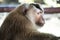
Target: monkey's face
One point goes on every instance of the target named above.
(39, 20)
(36, 16)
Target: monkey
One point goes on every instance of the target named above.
(22, 24)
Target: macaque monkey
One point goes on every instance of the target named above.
(22, 24)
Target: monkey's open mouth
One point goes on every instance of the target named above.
(40, 24)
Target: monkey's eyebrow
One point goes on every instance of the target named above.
(37, 6)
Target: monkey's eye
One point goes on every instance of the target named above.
(40, 11)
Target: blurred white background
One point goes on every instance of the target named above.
(52, 24)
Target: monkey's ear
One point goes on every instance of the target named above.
(23, 8)
(26, 7)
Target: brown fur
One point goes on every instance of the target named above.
(18, 27)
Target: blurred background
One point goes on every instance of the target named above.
(51, 16)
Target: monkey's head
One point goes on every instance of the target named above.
(34, 13)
